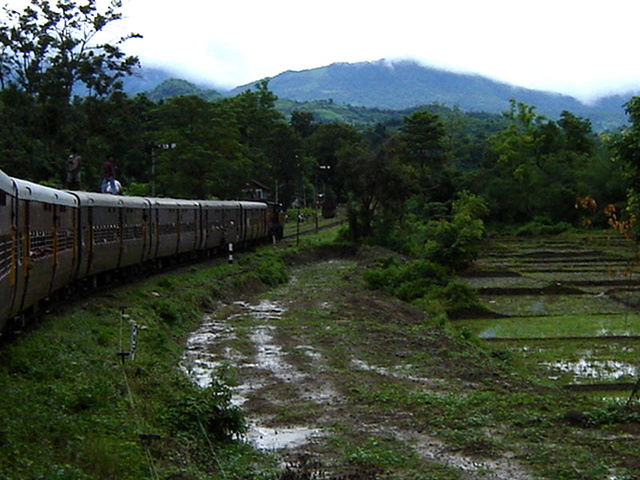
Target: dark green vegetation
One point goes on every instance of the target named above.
(389, 390)
(406, 394)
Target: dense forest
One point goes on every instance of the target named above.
(526, 170)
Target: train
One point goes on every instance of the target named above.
(51, 239)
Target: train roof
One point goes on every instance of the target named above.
(219, 203)
(39, 193)
(173, 203)
(109, 200)
(253, 205)
(6, 183)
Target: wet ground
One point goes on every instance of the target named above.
(293, 370)
(566, 305)
(325, 371)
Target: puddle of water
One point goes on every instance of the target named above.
(198, 361)
(269, 356)
(201, 364)
(434, 450)
(595, 369)
(395, 373)
(266, 438)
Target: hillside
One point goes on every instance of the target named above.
(406, 84)
(384, 86)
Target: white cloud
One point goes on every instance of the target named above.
(580, 47)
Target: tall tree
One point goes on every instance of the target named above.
(375, 182)
(47, 48)
(421, 147)
(207, 158)
(46, 51)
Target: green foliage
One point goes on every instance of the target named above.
(454, 243)
(408, 281)
(204, 410)
(269, 268)
(48, 52)
(542, 226)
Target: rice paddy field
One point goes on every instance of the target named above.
(567, 306)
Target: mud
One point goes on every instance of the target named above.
(286, 386)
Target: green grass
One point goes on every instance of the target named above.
(554, 326)
(72, 410)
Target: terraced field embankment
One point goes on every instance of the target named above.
(567, 305)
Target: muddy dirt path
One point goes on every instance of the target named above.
(311, 364)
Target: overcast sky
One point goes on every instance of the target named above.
(583, 48)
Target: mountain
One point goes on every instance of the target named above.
(145, 79)
(405, 84)
(173, 87)
(385, 85)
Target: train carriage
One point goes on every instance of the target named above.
(176, 226)
(189, 236)
(219, 223)
(137, 232)
(46, 249)
(254, 221)
(8, 205)
(100, 235)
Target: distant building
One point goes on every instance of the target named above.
(256, 191)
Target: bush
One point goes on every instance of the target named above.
(542, 226)
(408, 281)
(270, 269)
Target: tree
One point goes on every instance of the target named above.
(46, 49)
(421, 148)
(207, 159)
(578, 133)
(302, 123)
(324, 145)
(422, 141)
(375, 182)
(625, 148)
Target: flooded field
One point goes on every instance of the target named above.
(567, 307)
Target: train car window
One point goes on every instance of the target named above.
(6, 245)
(40, 244)
(65, 240)
(3, 199)
(105, 234)
(132, 232)
(47, 207)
